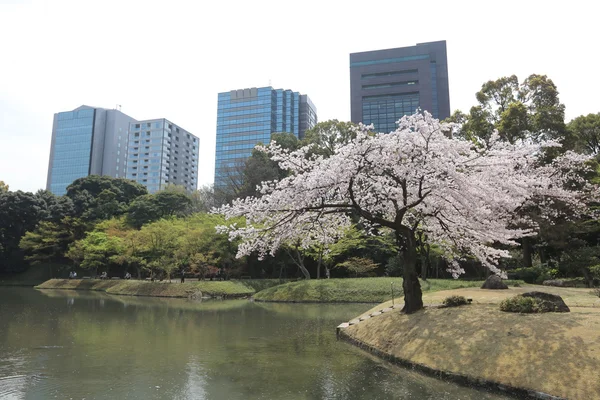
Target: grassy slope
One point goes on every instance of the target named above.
(158, 289)
(359, 290)
(553, 353)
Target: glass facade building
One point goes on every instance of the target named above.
(72, 148)
(386, 85)
(160, 153)
(86, 141)
(97, 141)
(247, 117)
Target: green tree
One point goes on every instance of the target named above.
(355, 242)
(529, 110)
(3, 187)
(171, 203)
(131, 255)
(202, 241)
(19, 212)
(160, 241)
(55, 207)
(203, 199)
(260, 168)
(584, 260)
(49, 241)
(101, 197)
(95, 250)
(149, 208)
(328, 134)
(359, 266)
(586, 130)
(142, 210)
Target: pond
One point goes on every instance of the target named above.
(88, 345)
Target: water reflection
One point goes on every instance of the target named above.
(87, 344)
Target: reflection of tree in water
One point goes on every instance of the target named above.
(223, 350)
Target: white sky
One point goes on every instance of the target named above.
(170, 58)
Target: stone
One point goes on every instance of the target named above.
(354, 321)
(564, 282)
(548, 302)
(341, 327)
(365, 317)
(376, 313)
(494, 282)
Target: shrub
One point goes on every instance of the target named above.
(534, 302)
(454, 301)
(359, 266)
(394, 266)
(519, 304)
(535, 274)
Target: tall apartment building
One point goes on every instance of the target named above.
(247, 117)
(95, 141)
(86, 141)
(387, 84)
(161, 153)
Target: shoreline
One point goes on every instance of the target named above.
(537, 356)
(459, 379)
(313, 301)
(196, 289)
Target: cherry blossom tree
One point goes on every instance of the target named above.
(416, 179)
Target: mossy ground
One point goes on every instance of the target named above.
(554, 353)
(352, 290)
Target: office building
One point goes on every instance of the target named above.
(247, 117)
(387, 84)
(161, 153)
(86, 141)
(98, 141)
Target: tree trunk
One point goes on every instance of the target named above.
(527, 252)
(543, 256)
(425, 262)
(319, 264)
(413, 297)
(303, 270)
(424, 253)
(588, 277)
(298, 260)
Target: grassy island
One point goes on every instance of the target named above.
(226, 289)
(352, 290)
(552, 353)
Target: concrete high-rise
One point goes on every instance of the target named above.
(87, 141)
(387, 84)
(97, 141)
(247, 117)
(161, 153)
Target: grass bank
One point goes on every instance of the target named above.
(553, 353)
(226, 289)
(352, 290)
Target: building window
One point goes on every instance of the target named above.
(389, 85)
